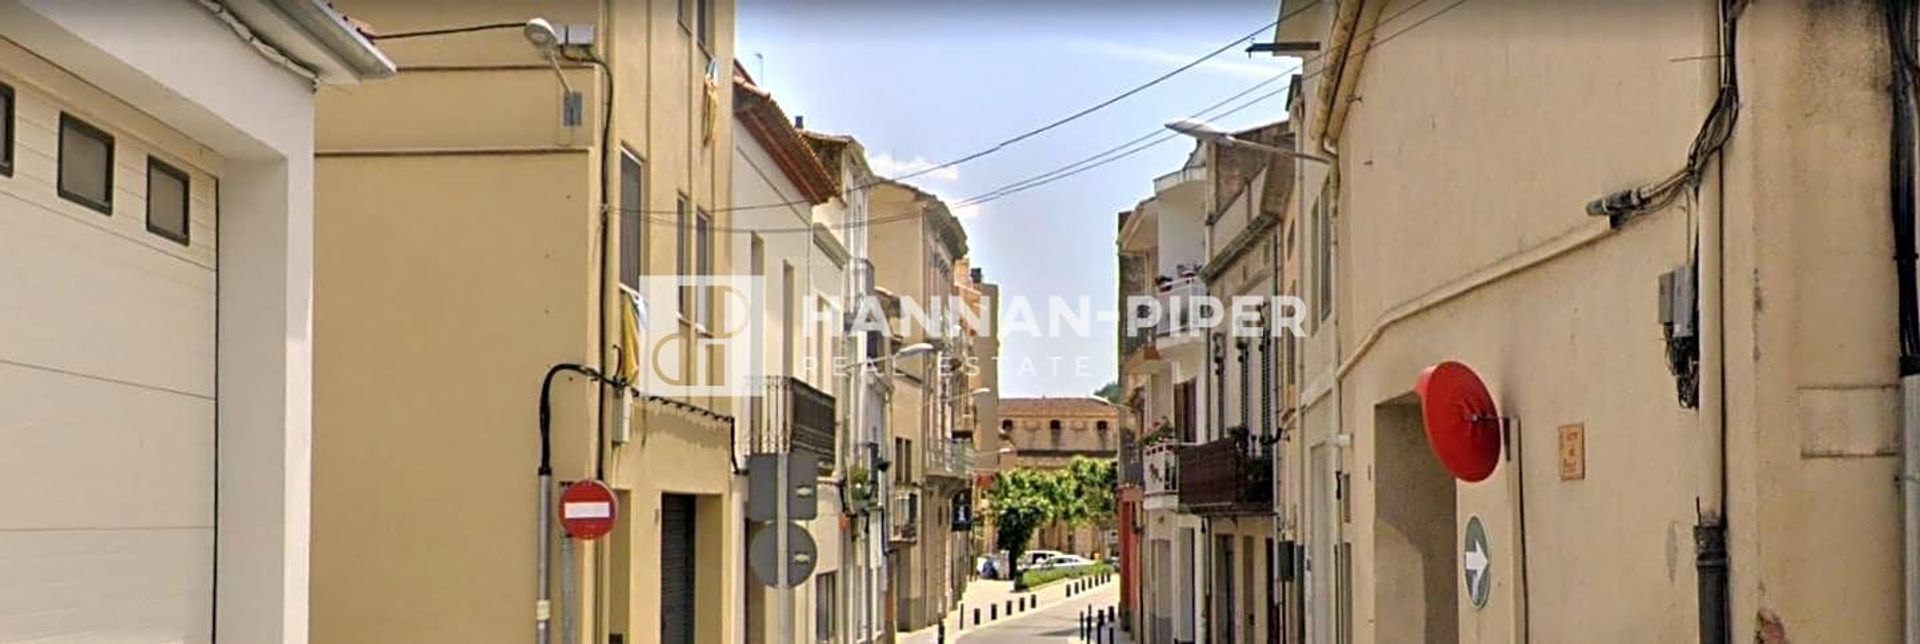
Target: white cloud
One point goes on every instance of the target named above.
(967, 212)
(887, 166)
(1225, 63)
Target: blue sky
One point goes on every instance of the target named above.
(920, 82)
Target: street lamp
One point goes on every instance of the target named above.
(1205, 131)
(975, 393)
(909, 351)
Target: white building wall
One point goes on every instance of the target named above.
(176, 63)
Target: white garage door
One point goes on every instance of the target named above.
(106, 388)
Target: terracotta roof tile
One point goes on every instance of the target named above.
(1057, 407)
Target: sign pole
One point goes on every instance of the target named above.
(567, 626)
(780, 533)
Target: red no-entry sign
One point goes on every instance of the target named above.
(587, 510)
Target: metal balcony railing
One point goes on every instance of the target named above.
(1161, 463)
(1177, 297)
(796, 417)
(950, 459)
(904, 514)
(1132, 469)
(1230, 476)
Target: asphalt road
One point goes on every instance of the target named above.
(1059, 622)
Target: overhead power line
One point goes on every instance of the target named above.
(1002, 145)
(1134, 146)
(1159, 135)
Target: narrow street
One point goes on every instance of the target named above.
(1055, 622)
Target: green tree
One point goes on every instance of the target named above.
(1090, 486)
(1109, 392)
(1021, 502)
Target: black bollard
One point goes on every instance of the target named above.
(976, 617)
(1083, 625)
(1009, 608)
(940, 631)
(993, 611)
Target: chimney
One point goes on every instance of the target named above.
(799, 122)
(977, 276)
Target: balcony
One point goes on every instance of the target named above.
(1177, 296)
(1132, 469)
(796, 417)
(1161, 465)
(1226, 477)
(950, 459)
(904, 514)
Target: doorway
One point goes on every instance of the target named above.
(1415, 559)
(1321, 510)
(1223, 600)
(678, 581)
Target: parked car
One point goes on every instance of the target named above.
(1032, 558)
(1064, 561)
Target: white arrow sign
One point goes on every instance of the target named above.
(1476, 564)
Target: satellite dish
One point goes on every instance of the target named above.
(1462, 425)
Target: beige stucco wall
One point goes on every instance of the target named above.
(1462, 237)
(459, 258)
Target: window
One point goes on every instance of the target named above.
(1006, 426)
(167, 189)
(1323, 253)
(633, 206)
(703, 266)
(1100, 426)
(703, 27)
(6, 130)
(86, 165)
(681, 230)
(826, 615)
(1053, 425)
(1246, 368)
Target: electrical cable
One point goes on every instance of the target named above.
(997, 147)
(1096, 160)
(1900, 19)
(1622, 206)
(1063, 172)
(402, 35)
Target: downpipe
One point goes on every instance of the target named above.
(1901, 180)
(543, 607)
(1910, 501)
(1712, 566)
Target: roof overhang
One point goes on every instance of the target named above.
(313, 34)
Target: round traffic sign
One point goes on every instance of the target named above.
(1476, 561)
(1462, 425)
(765, 559)
(587, 510)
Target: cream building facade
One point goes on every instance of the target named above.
(1047, 434)
(156, 228)
(479, 226)
(801, 261)
(1723, 472)
(1163, 376)
(914, 254)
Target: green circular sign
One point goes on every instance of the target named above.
(1476, 559)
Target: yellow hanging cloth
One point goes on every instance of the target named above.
(629, 339)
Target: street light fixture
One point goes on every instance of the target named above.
(1209, 132)
(541, 34)
(971, 394)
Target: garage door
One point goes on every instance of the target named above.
(106, 378)
(676, 569)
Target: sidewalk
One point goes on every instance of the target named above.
(983, 593)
